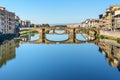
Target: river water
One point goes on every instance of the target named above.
(88, 61)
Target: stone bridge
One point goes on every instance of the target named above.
(70, 31)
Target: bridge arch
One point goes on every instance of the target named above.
(40, 32)
(88, 33)
(70, 31)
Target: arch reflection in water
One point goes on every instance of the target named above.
(57, 35)
(8, 51)
(57, 38)
(60, 31)
(112, 52)
(53, 38)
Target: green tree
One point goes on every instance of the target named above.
(32, 25)
(45, 25)
(60, 26)
(118, 40)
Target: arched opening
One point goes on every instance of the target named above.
(80, 35)
(57, 35)
(30, 34)
(86, 34)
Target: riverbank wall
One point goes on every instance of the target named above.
(115, 34)
(6, 37)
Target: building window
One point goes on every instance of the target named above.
(10, 28)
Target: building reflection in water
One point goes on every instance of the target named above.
(112, 52)
(109, 47)
(8, 51)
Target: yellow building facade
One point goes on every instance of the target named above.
(110, 19)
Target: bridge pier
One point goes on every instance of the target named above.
(41, 36)
(54, 31)
(72, 35)
(46, 31)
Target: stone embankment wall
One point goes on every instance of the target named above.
(111, 33)
(110, 42)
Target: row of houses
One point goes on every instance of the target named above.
(9, 22)
(90, 23)
(73, 25)
(87, 23)
(109, 20)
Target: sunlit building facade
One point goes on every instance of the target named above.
(110, 19)
(7, 21)
(91, 23)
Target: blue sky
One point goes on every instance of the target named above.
(57, 11)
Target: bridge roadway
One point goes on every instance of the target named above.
(71, 31)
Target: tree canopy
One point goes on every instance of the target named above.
(45, 25)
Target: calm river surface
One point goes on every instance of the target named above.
(86, 61)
